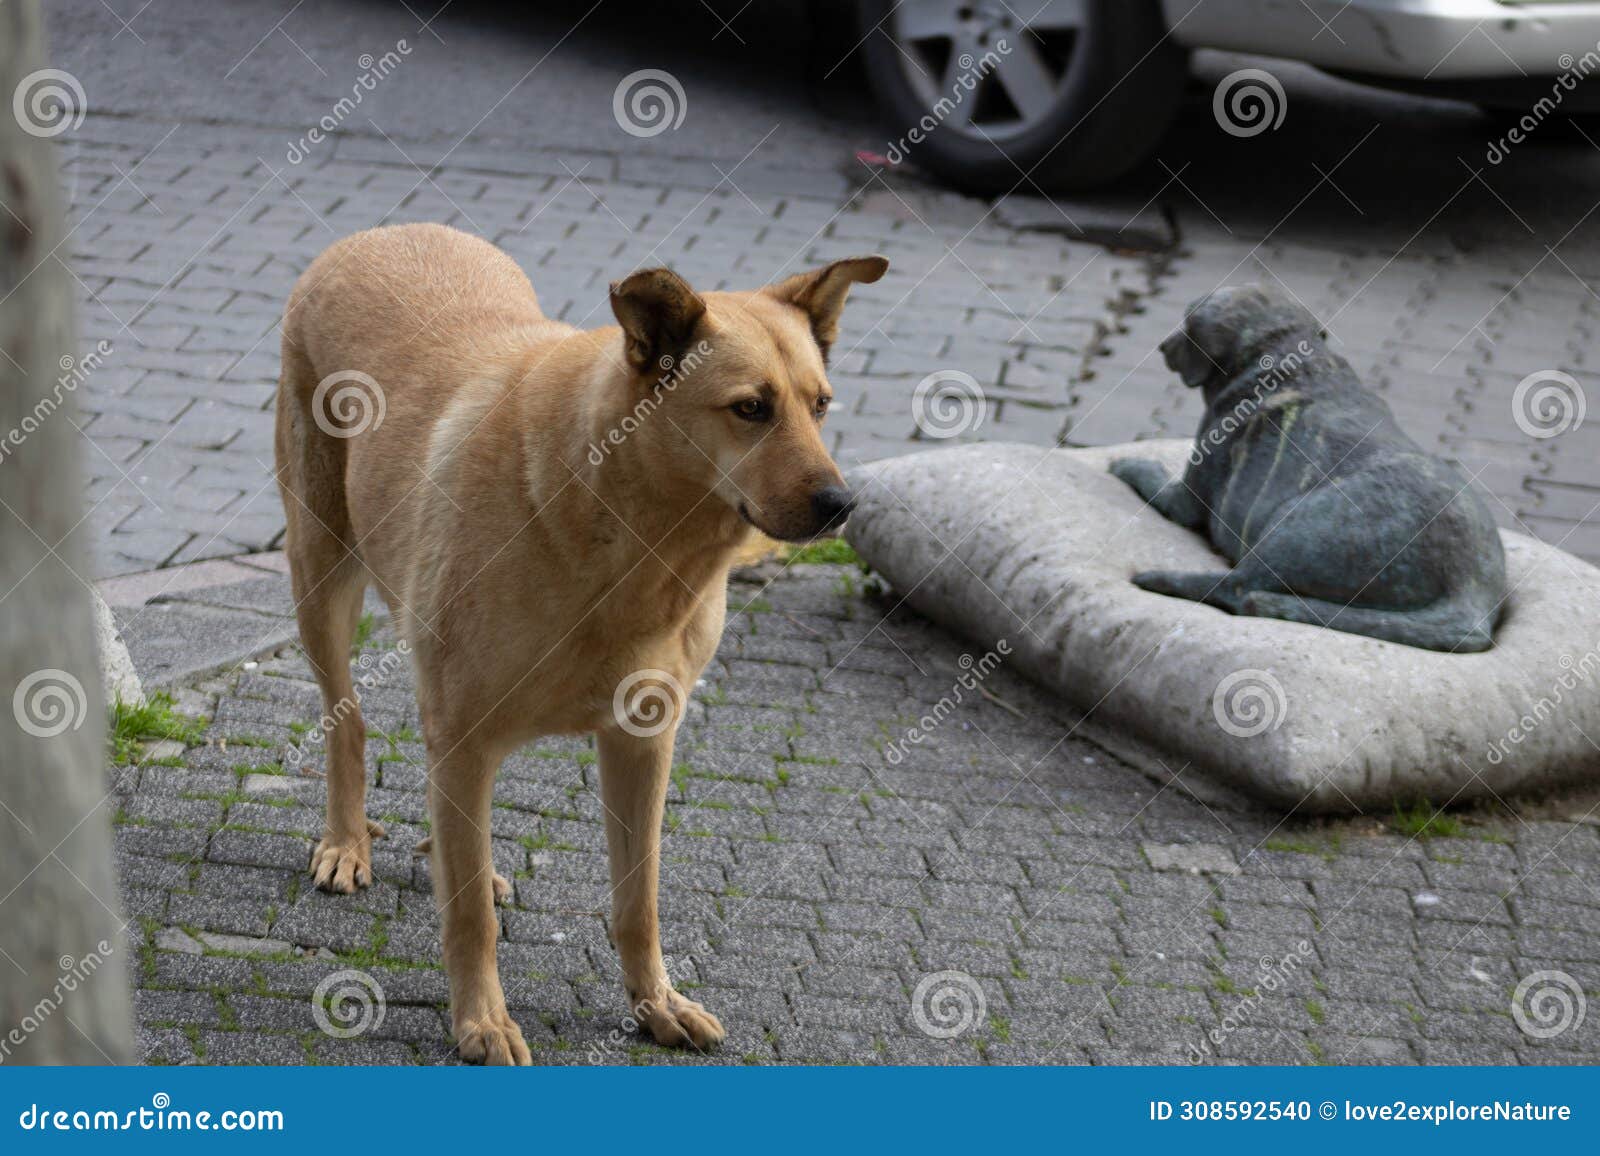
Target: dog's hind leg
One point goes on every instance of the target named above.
(634, 773)
(1444, 626)
(1222, 589)
(460, 788)
(328, 582)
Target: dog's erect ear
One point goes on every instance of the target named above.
(821, 293)
(658, 312)
(1185, 358)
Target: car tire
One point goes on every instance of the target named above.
(1091, 101)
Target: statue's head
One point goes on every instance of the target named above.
(1229, 331)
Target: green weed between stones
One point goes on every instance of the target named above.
(131, 725)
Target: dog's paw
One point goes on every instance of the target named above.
(679, 1022)
(1143, 474)
(493, 1038)
(344, 864)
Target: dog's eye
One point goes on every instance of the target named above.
(822, 404)
(751, 409)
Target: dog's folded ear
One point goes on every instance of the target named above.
(821, 293)
(658, 312)
(1185, 358)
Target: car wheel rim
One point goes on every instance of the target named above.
(988, 69)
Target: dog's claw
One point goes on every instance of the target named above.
(494, 1039)
(681, 1023)
(342, 865)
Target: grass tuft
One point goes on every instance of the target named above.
(131, 725)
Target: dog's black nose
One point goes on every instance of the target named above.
(832, 505)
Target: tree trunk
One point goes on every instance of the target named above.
(64, 957)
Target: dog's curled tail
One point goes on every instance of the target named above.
(1462, 624)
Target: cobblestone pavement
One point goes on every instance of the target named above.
(812, 883)
(197, 199)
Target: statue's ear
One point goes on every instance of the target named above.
(821, 293)
(658, 312)
(1185, 358)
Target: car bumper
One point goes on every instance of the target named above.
(1424, 40)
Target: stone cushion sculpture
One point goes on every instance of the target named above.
(1037, 547)
(1301, 478)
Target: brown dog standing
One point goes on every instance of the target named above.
(550, 514)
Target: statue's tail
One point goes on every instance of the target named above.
(1461, 625)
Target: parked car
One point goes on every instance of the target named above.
(1077, 92)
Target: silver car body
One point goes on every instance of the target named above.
(1421, 40)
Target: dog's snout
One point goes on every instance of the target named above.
(832, 505)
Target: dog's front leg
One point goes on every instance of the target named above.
(1171, 497)
(634, 772)
(460, 790)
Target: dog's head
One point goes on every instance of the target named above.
(741, 383)
(1227, 331)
